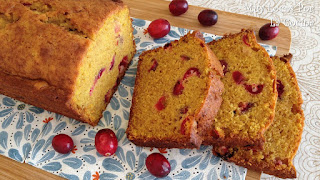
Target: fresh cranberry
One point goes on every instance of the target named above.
(245, 39)
(161, 103)
(154, 65)
(224, 65)
(183, 126)
(185, 57)
(191, 72)
(254, 89)
(112, 62)
(159, 28)
(267, 32)
(238, 77)
(158, 165)
(208, 17)
(106, 142)
(62, 143)
(244, 107)
(280, 88)
(184, 110)
(178, 88)
(178, 7)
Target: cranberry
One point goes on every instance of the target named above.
(123, 64)
(158, 165)
(185, 57)
(184, 110)
(280, 88)
(178, 7)
(254, 89)
(183, 126)
(191, 72)
(215, 134)
(96, 80)
(208, 17)
(154, 65)
(178, 88)
(112, 62)
(245, 39)
(62, 143)
(223, 150)
(161, 103)
(159, 28)
(224, 65)
(106, 142)
(237, 77)
(267, 32)
(167, 46)
(244, 107)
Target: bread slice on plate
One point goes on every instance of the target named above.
(284, 135)
(177, 94)
(250, 94)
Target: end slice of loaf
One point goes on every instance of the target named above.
(250, 95)
(177, 94)
(64, 56)
(284, 135)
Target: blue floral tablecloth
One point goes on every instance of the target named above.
(26, 133)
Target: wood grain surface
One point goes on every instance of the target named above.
(154, 9)
(227, 22)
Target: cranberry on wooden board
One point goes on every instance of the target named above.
(159, 28)
(178, 7)
(62, 143)
(208, 17)
(268, 32)
(106, 142)
(158, 165)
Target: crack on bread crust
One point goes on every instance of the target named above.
(7, 19)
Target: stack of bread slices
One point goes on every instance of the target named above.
(228, 93)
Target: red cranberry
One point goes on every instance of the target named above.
(224, 65)
(254, 89)
(208, 17)
(280, 88)
(244, 107)
(159, 28)
(106, 142)
(223, 150)
(245, 39)
(112, 62)
(191, 72)
(154, 65)
(178, 88)
(62, 143)
(184, 110)
(123, 64)
(158, 165)
(267, 32)
(178, 7)
(185, 57)
(237, 77)
(161, 103)
(215, 134)
(96, 80)
(183, 126)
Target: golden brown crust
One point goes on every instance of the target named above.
(235, 140)
(203, 117)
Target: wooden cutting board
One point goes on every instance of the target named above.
(154, 9)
